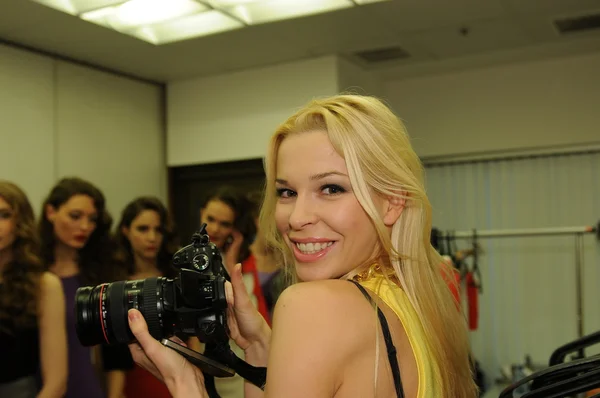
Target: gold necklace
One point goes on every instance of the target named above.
(371, 271)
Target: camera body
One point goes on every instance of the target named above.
(192, 304)
(199, 291)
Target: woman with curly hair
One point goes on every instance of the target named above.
(32, 327)
(145, 244)
(76, 246)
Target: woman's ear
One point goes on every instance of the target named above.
(394, 205)
(125, 231)
(50, 213)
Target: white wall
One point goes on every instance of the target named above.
(528, 303)
(232, 116)
(110, 132)
(27, 155)
(553, 102)
(59, 119)
(354, 79)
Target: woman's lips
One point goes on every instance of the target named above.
(309, 252)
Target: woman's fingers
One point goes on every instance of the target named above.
(140, 357)
(229, 294)
(139, 328)
(178, 340)
(240, 294)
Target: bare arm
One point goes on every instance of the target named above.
(53, 337)
(115, 384)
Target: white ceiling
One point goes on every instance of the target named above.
(429, 30)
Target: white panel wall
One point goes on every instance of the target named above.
(528, 304)
(60, 119)
(231, 117)
(527, 105)
(353, 79)
(27, 117)
(110, 132)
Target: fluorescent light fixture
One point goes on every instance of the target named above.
(368, 1)
(201, 24)
(229, 3)
(138, 13)
(75, 7)
(165, 21)
(275, 10)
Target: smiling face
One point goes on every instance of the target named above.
(317, 213)
(74, 221)
(145, 235)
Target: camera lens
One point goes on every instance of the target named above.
(101, 311)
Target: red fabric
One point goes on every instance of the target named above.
(454, 286)
(249, 268)
(473, 301)
(452, 278)
(139, 383)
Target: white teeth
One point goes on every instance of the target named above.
(311, 248)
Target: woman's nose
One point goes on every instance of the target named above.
(303, 213)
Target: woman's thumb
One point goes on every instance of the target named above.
(139, 328)
(240, 295)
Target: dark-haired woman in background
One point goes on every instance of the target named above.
(76, 246)
(32, 328)
(231, 227)
(146, 243)
(229, 220)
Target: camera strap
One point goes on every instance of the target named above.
(219, 360)
(222, 353)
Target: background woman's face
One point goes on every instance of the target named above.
(145, 235)
(7, 225)
(74, 221)
(219, 219)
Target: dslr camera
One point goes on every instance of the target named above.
(192, 304)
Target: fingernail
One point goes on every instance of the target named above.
(238, 267)
(133, 315)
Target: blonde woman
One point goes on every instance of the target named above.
(344, 202)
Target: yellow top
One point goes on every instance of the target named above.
(395, 298)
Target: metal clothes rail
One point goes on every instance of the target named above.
(577, 232)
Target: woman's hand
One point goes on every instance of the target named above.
(247, 326)
(181, 377)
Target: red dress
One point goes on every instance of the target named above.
(139, 383)
(250, 275)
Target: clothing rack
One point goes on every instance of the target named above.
(577, 232)
(517, 233)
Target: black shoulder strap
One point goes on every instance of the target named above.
(389, 344)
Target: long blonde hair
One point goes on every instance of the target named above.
(381, 161)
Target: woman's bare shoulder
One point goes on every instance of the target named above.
(50, 283)
(334, 306)
(319, 329)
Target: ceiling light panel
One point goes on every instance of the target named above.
(368, 1)
(139, 13)
(258, 12)
(166, 21)
(76, 7)
(201, 24)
